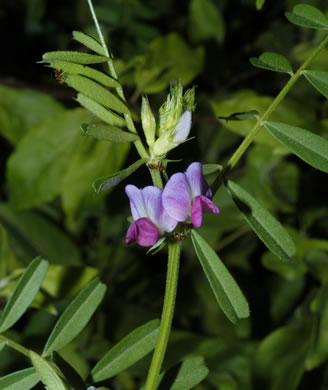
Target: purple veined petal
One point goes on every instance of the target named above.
(197, 212)
(196, 179)
(166, 223)
(153, 202)
(152, 197)
(183, 127)
(143, 231)
(137, 204)
(200, 206)
(177, 197)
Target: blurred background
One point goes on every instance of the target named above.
(48, 206)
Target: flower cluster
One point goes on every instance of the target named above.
(185, 198)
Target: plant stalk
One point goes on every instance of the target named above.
(252, 134)
(15, 346)
(167, 315)
(128, 119)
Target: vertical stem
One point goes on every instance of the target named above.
(129, 122)
(167, 315)
(157, 179)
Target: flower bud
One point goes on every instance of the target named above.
(183, 127)
(170, 139)
(148, 121)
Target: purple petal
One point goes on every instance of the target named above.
(202, 205)
(152, 197)
(166, 223)
(177, 197)
(138, 209)
(196, 179)
(153, 201)
(183, 127)
(143, 231)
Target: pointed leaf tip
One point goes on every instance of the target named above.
(24, 293)
(319, 80)
(227, 292)
(128, 351)
(272, 61)
(105, 182)
(267, 228)
(308, 146)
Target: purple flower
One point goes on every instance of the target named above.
(188, 194)
(150, 220)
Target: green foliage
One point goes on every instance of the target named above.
(306, 15)
(168, 58)
(73, 56)
(319, 80)
(268, 229)
(90, 42)
(96, 92)
(49, 373)
(226, 291)
(103, 183)
(34, 181)
(24, 231)
(23, 109)
(49, 208)
(186, 375)
(76, 316)
(128, 351)
(205, 21)
(308, 146)
(247, 100)
(272, 61)
(23, 379)
(101, 112)
(24, 293)
(72, 68)
(103, 132)
(259, 4)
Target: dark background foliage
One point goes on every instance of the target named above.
(47, 206)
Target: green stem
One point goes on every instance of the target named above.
(252, 134)
(129, 122)
(157, 178)
(15, 346)
(167, 315)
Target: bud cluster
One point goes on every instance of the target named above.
(173, 124)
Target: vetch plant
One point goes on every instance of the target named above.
(167, 213)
